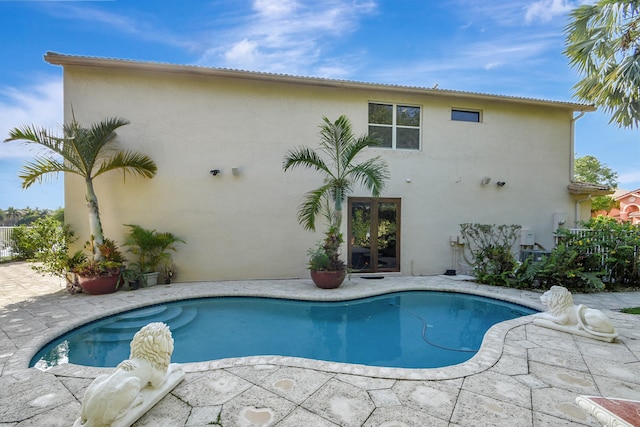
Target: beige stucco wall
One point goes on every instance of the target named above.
(241, 227)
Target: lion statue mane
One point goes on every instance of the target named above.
(564, 315)
(110, 397)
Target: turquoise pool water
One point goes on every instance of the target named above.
(416, 329)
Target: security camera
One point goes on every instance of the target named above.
(214, 172)
(500, 183)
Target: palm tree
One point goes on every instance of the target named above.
(340, 147)
(603, 45)
(87, 152)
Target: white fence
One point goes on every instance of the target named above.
(5, 242)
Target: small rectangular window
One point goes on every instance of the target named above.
(396, 126)
(465, 116)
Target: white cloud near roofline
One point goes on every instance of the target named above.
(38, 104)
(288, 37)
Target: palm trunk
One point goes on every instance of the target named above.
(95, 226)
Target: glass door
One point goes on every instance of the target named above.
(374, 234)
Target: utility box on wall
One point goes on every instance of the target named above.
(527, 237)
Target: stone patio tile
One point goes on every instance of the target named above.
(551, 339)
(613, 387)
(169, 412)
(545, 420)
(301, 417)
(498, 386)
(384, 398)
(436, 398)
(402, 417)
(622, 371)
(255, 407)
(211, 388)
(531, 381)
(295, 384)
(60, 416)
(511, 365)
(255, 373)
(341, 403)
(604, 350)
(366, 383)
(76, 386)
(565, 359)
(30, 392)
(560, 404)
(478, 411)
(566, 379)
(203, 416)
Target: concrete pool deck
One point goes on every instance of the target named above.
(524, 375)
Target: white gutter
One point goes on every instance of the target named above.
(572, 154)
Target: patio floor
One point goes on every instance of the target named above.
(524, 375)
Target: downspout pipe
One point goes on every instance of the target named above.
(572, 164)
(572, 143)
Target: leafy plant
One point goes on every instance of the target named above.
(490, 247)
(111, 262)
(46, 243)
(150, 247)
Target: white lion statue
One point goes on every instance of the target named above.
(564, 315)
(109, 398)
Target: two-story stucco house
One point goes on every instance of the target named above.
(454, 157)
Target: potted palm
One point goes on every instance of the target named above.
(150, 249)
(100, 276)
(335, 161)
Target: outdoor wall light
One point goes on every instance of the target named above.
(214, 172)
(500, 183)
(485, 180)
(235, 171)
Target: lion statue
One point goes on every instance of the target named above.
(565, 316)
(110, 397)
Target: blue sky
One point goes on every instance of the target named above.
(503, 47)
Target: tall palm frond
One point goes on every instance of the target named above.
(87, 152)
(335, 157)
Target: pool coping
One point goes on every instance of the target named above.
(299, 289)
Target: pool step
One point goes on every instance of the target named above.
(175, 317)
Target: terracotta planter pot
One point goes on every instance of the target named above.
(98, 285)
(328, 279)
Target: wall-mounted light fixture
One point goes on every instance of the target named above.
(235, 171)
(500, 183)
(214, 172)
(485, 180)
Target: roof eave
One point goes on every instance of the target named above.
(123, 64)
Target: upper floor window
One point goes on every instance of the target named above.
(396, 126)
(465, 115)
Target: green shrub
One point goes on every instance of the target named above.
(490, 246)
(45, 243)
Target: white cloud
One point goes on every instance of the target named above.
(287, 36)
(39, 104)
(546, 10)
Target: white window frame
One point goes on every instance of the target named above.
(394, 126)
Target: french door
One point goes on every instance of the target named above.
(374, 234)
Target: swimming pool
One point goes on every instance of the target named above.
(411, 329)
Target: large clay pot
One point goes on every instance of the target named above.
(328, 279)
(98, 285)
